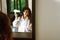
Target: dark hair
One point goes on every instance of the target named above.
(18, 14)
(26, 8)
(5, 28)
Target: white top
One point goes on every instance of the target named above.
(24, 25)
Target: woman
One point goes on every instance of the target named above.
(5, 28)
(16, 20)
(25, 20)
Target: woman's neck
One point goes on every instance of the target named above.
(24, 17)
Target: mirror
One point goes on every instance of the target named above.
(22, 15)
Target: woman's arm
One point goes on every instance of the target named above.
(16, 22)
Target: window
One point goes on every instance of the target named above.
(17, 4)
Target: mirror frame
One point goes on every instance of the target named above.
(32, 35)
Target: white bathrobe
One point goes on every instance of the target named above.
(24, 25)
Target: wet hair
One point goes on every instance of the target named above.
(5, 28)
(29, 11)
(18, 14)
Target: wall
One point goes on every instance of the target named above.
(47, 20)
(4, 6)
(30, 4)
(0, 5)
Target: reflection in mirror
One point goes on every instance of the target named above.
(21, 15)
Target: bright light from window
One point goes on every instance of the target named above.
(57, 0)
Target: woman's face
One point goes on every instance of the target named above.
(26, 13)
